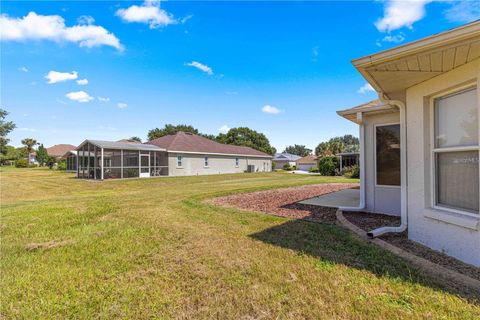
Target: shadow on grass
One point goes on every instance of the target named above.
(333, 244)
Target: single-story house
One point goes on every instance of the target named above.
(180, 154)
(348, 159)
(419, 142)
(307, 162)
(59, 150)
(71, 160)
(281, 159)
(189, 154)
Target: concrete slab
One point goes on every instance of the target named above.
(342, 198)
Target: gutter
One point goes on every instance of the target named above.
(362, 203)
(403, 167)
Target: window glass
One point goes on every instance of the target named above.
(179, 161)
(456, 120)
(236, 162)
(457, 180)
(388, 155)
(205, 161)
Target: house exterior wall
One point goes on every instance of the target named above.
(280, 163)
(456, 234)
(193, 164)
(306, 166)
(378, 199)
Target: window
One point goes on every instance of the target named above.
(237, 162)
(456, 150)
(387, 141)
(205, 161)
(179, 161)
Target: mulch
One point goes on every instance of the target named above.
(284, 203)
(369, 221)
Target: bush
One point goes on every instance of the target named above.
(21, 163)
(287, 167)
(62, 164)
(51, 162)
(313, 170)
(327, 166)
(352, 172)
(274, 165)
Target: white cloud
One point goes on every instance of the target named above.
(27, 129)
(463, 11)
(103, 99)
(271, 110)
(366, 88)
(85, 20)
(149, 13)
(55, 76)
(186, 18)
(79, 96)
(394, 38)
(122, 105)
(82, 82)
(200, 66)
(401, 13)
(224, 129)
(39, 27)
(23, 69)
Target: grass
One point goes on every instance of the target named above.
(150, 248)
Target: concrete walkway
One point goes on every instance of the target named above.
(342, 198)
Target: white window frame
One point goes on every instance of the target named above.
(375, 153)
(434, 150)
(205, 162)
(179, 161)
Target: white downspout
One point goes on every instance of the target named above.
(361, 205)
(403, 175)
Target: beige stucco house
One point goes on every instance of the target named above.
(420, 140)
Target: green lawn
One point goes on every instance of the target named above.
(150, 248)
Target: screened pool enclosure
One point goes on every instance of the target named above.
(117, 160)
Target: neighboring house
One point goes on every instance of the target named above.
(419, 142)
(181, 154)
(190, 154)
(348, 159)
(59, 150)
(71, 160)
(307, 162)
(281, 159)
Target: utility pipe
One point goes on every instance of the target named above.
(403, 173)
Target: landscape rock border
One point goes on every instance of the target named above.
(431, 268)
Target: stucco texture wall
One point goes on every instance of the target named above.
(455, 234)
(193, 164)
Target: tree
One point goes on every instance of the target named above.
(5, 128)
(42, 155)
(29, 143)
(135, 138)
(170, 129)
(244, 136)
(299, 150)
(336, 145)
(51, 162)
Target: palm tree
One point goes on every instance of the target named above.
(29, 143)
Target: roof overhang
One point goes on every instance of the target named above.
(392, 71)
(374, 107)
(121, 146)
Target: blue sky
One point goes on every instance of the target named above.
(281, 68)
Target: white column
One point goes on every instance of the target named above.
(101, 166)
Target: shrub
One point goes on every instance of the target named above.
(62, 164)
(287, 167)
(352, 172)
(313, 169)
(51, 162)
(274, 165)
(327, 166)
(21, 163)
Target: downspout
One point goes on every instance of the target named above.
(403, 175)
(362, 204)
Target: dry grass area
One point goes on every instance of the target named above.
(153, 248)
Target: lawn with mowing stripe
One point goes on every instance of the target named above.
(152, 248)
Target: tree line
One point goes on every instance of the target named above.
(331, 147)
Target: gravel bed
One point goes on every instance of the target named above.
(369, 221)
(283, 202)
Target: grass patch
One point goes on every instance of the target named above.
(151, 248)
